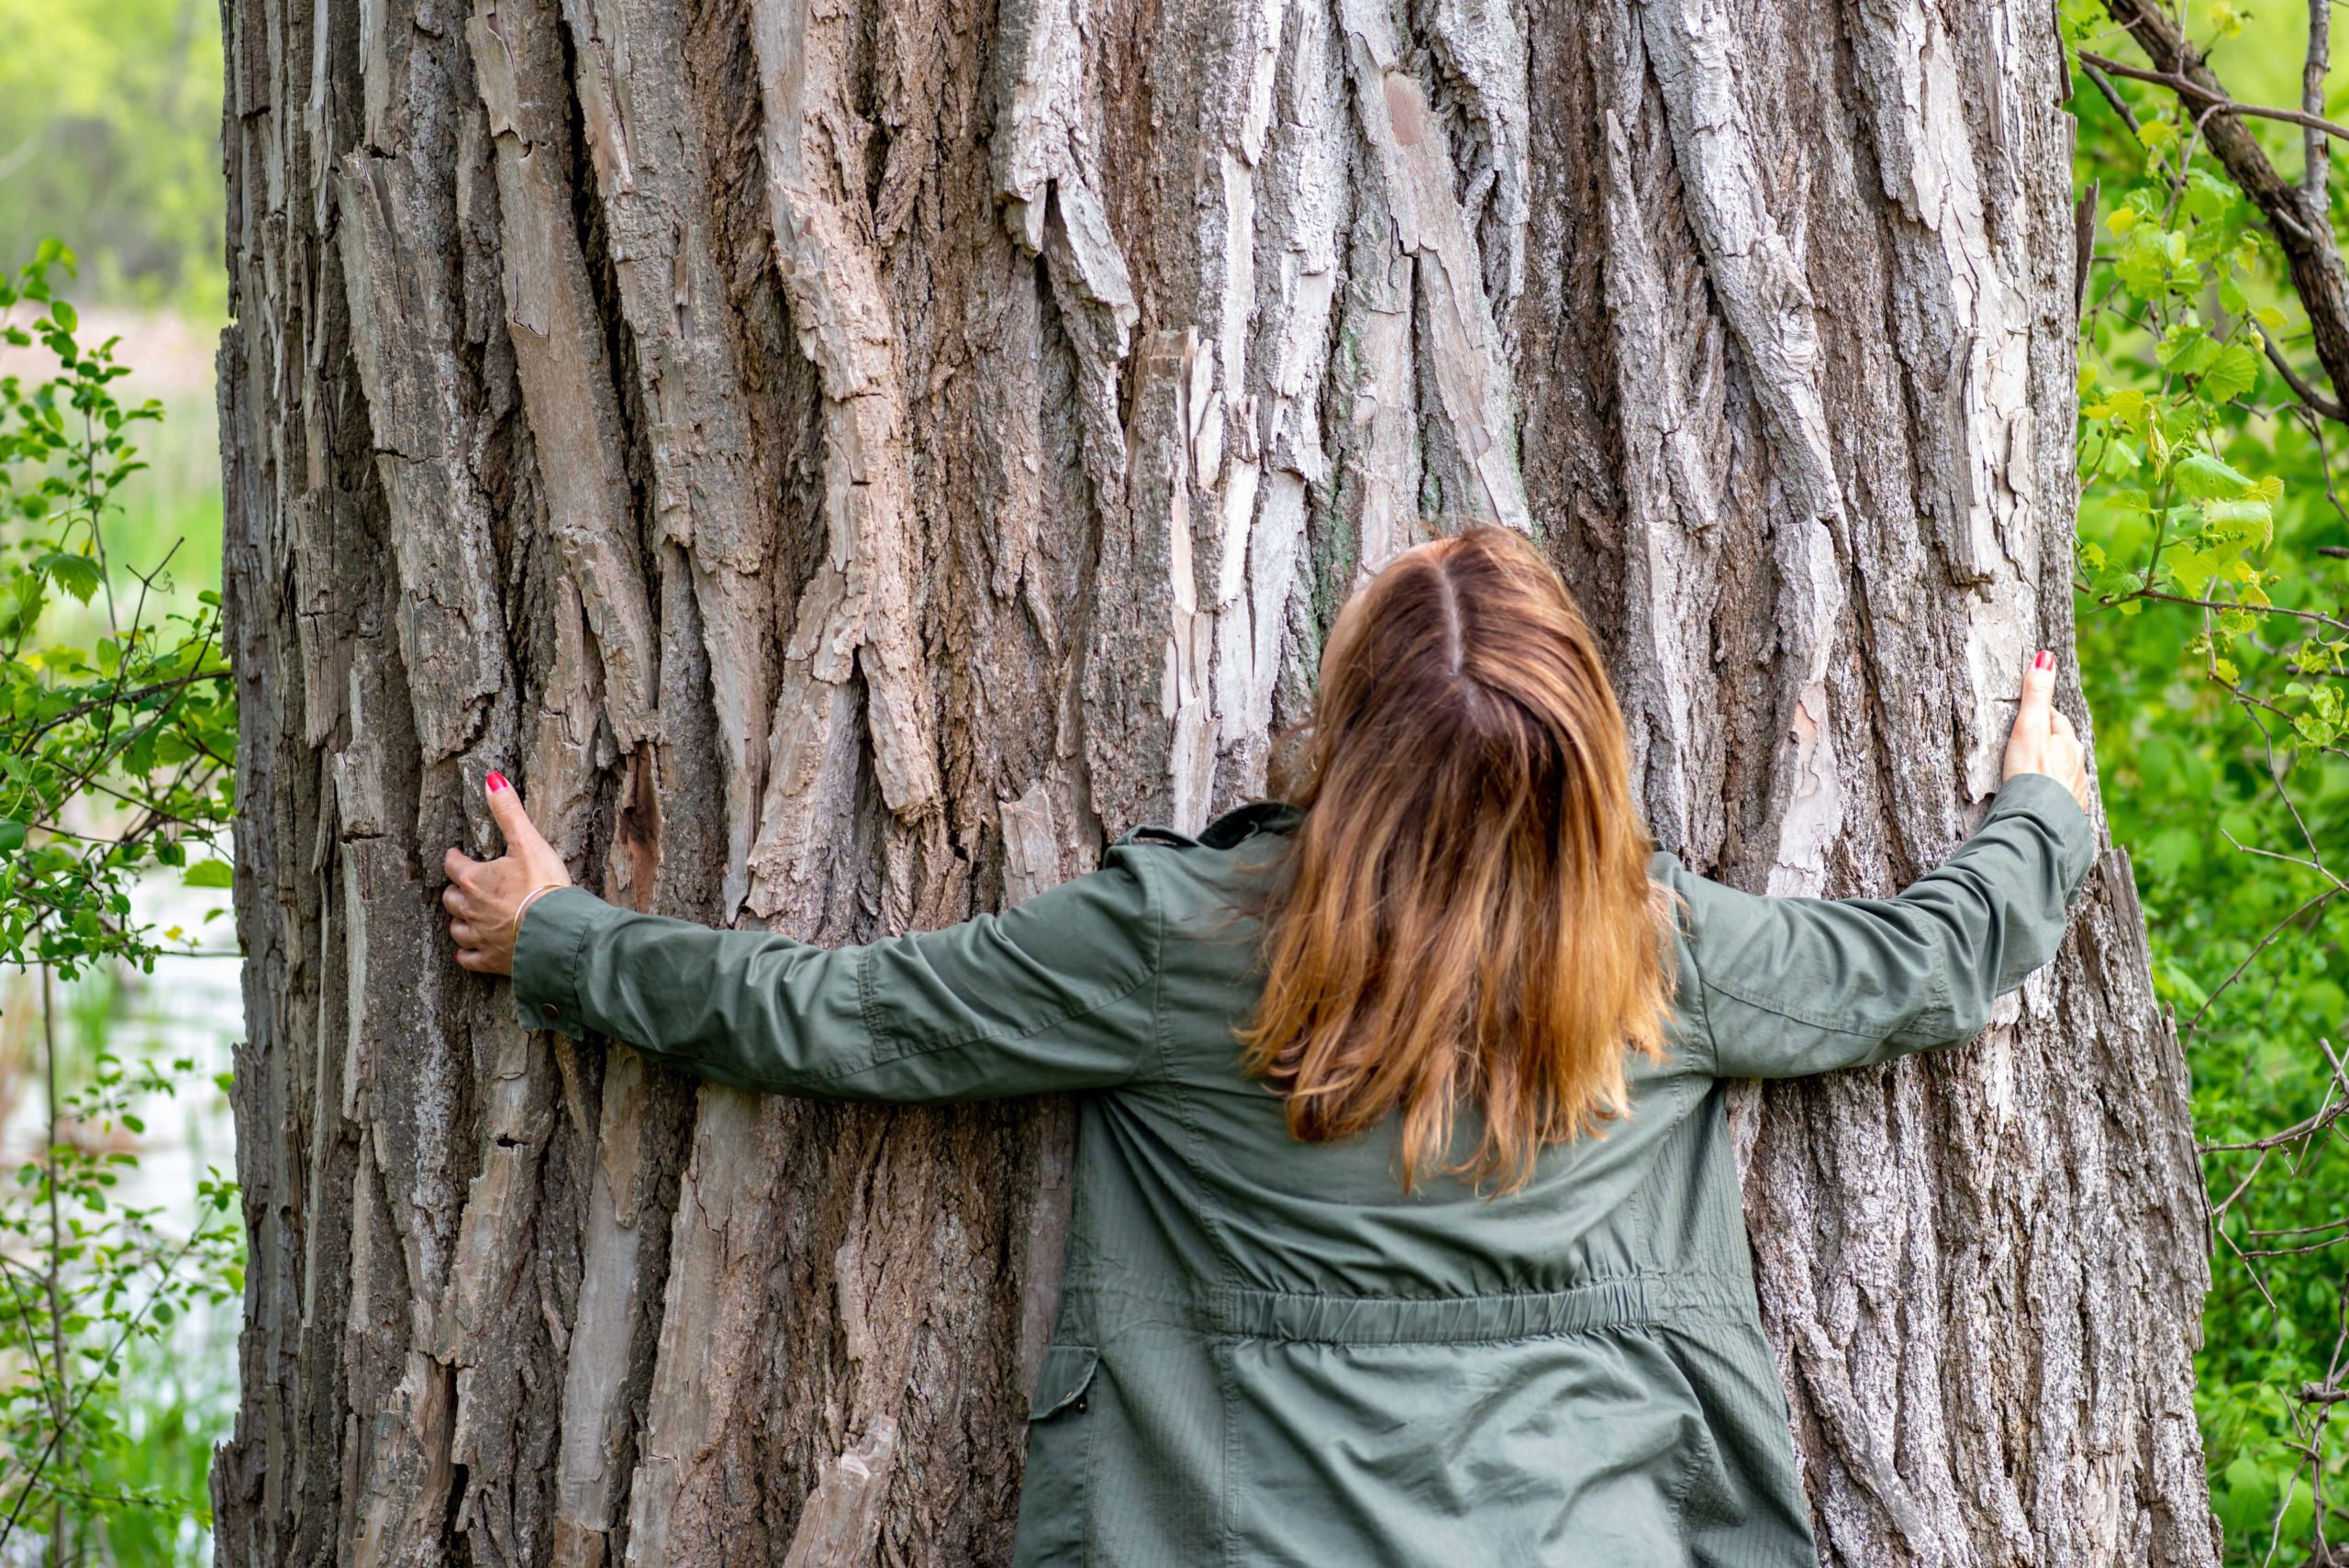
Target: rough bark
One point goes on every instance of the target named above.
(846, 460)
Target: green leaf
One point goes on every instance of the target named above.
(2205, 478)
(2190, 569)
(63, 314)
(2237, 523)
(12, 835)
(2234, 371)
(77, 574)
(2188, 351)
(2143, 263)
(2128, 405)
(2182, 984)
(209, 873)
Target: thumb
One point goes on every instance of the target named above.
(506, 806)
(2038, 692)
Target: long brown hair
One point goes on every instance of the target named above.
(1464, 912)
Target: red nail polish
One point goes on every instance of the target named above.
(497, 781)
(2044, 660)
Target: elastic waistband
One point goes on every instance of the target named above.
(1237, 1310)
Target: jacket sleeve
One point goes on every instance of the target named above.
(1057, 993)
(1787, 987)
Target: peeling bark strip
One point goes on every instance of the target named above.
(849, 461)
(858, 613)
(568, 389)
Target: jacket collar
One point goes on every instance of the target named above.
(1227, 831)
(1258, 816)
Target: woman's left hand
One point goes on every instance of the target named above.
(485, 898)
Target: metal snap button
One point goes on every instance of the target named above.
(550, 1009)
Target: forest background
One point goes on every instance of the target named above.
(2213, 640)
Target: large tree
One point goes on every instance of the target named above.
(847, 460)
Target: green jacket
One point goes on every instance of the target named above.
(1265, 1353)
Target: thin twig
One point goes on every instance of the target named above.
(2302, 1230)
(2276, 773)
(2241, 848)
(114, 699)
(2219, 102)
(55, 1261)
(2330, 1112)
(2258, 1283)
(2317, 615)
(2111, 94)
(2295, 380)
(2322, 899)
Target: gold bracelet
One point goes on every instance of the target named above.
(524, 907)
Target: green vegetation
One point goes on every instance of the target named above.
(111, 132)
(114, 757)
(2212, 642)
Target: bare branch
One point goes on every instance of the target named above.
(2296, 381)
(2111, 94)
(2339, 1224)
(2317, 155)
(2326, 1114)
(2186, 86)
(2276, 773)
(2277, 930)
(2083, 243)
(2317, 615)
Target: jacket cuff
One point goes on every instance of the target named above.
(546, 959)
(2051, 805)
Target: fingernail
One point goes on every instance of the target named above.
(2044, 660)
(497, 781)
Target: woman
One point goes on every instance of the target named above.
(1407, 1230)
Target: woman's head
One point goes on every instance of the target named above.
(1464, 916)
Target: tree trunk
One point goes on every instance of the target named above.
(846, 460)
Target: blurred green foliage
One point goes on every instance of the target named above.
(115, 756)
(111, 132)
(2211, 639)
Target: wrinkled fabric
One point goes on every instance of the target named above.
(1266, 1352)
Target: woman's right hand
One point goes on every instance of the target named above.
(485, 898)
(2042, 740)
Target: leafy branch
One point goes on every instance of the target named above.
(115, 758)
(2206, 457)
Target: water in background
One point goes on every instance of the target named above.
(180, 1395)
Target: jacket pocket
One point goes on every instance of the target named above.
(1053, 1516)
